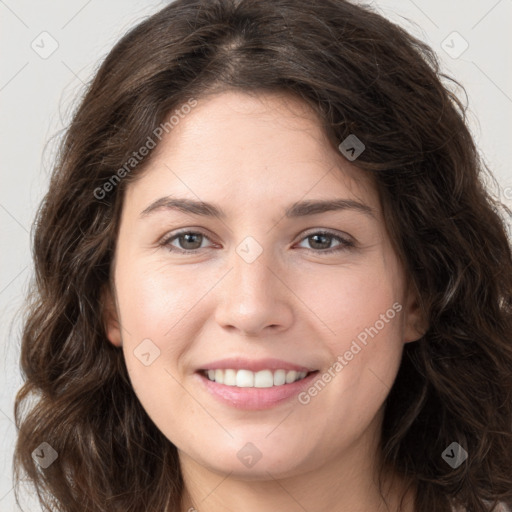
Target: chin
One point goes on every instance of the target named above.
(255, 460)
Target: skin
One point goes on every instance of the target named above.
(253, 156)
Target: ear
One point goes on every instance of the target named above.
(110, 317)
(415, 325)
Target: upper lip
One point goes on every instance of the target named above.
(255, 365)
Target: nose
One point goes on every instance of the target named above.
(254, 299)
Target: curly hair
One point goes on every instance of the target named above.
(362, 75)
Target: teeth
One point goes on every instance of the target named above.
(279, 377)
(244, 378)
(248, 379)
(229, 377)
(263, 379)
(291, 376)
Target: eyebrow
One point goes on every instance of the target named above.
(297, 209)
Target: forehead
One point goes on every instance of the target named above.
(252, 148)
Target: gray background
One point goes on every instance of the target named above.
(38, 90)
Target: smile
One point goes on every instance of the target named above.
(249, 379)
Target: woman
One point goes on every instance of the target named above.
(268, 277)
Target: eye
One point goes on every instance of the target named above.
(321, 240)
(190, 241)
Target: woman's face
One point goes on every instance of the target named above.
(253, 294)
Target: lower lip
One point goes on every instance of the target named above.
(254, 398)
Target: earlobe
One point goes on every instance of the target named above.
(415, 325)
(110, 318)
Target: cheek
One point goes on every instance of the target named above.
(155, 298)
(347, 302)
(154, 305)
(155, 338)
(360, 315)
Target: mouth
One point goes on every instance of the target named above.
(243, 378)
(241, 388)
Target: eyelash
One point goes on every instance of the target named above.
(343, 246)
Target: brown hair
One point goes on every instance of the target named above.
(363, 75)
